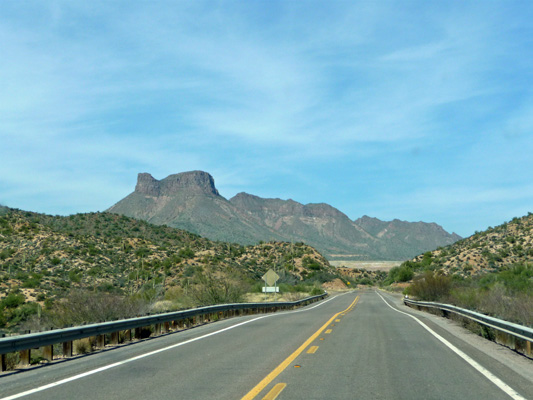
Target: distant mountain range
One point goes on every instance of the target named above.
(190, 201)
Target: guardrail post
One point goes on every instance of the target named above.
(25, 357)
(528, 348)
(114, 338)
(166, 327)
(100, 341)
(157, 330)
(503, 338)
(67, 349)
(127, 335)
(137, 333)
(3, 365)
(48, 352)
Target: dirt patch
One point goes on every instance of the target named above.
(335, 284)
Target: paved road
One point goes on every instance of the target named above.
(363, 349)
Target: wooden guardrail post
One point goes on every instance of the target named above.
(48, 352)
(3, 365)
(137, 333)
(114, 338)
(505, 339)
(25, 357)
(67, 349)
(127, 335)
(100, 341)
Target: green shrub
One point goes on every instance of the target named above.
(403, 273)
(316, 291)
(12, 300)
(186, 253)
(432, 286)
(210, 290)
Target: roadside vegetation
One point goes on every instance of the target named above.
(490, 272)
(59, 271)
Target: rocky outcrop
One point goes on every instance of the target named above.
(193, 182)
(147, 184)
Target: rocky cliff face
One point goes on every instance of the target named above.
(146, 184)
(190, 201)
(192, 182)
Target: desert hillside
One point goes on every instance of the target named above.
(44, 259)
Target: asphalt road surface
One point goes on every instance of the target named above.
(358, 345)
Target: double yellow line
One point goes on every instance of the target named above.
(280, 368)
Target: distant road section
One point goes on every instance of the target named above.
(358, 345)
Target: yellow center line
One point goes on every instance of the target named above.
(337, 320)
(312, 350)
(280, 368)
(276, 390)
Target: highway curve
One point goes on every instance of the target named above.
(358, 345)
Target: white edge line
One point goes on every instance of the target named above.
(106, 367)
(489, 375)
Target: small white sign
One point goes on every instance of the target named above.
(270, 289)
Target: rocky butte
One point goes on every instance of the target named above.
(190, 201)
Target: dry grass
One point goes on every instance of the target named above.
(83, 346)
(269, 297)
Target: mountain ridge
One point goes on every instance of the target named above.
(190, 201)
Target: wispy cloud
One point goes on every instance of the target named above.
(374, 100)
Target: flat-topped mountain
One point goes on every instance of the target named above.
(190, 201)
(196, 181)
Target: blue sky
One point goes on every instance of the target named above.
(417, 110)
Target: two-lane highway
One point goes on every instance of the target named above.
(352, 346)
(377, 352)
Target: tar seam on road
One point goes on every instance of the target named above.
(106, 367)
(485, 372)
(280, 368)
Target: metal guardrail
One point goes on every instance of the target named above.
(66, 335)
(509, 328)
